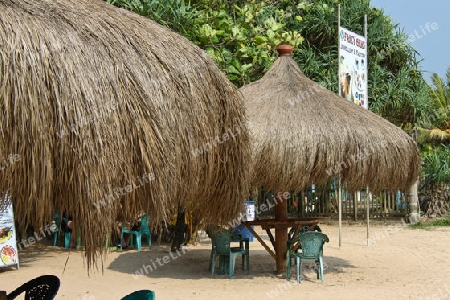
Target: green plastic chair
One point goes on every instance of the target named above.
(227, 255)
(312, 249)
(141, 295)
(302, 230)
(57, 221)
(137, 234)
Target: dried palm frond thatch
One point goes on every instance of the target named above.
(302, 133)
(104, 113)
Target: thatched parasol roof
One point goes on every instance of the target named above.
(104, 113)
(303, 133)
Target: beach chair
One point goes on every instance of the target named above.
(137, 234)
(295, 246)
(227, 255)
(43, 287)
(141, 295)
(312, 249)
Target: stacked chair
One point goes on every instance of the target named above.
(311, 245)
(227, 255)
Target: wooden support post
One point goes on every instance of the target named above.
(281, 234)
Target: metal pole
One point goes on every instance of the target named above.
(366, 89)
(339, 181)
(340, 211)
(339, 46)
(367, 100)
(368, 211)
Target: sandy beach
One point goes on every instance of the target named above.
(400, 263)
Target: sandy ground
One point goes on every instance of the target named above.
(400, 263)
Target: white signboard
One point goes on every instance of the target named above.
(353, 67)
(8, 247)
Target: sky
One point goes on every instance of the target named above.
(432, 41)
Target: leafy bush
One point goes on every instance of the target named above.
(436, 166)
(435, 223)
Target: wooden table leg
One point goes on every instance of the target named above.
(261, 241)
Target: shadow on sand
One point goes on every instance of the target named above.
(192, 262)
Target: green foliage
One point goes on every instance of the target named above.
(436, 166)
(437, 112)
(433, 134)
(174, 14)
(435, 223)
(240, 36)
(396, 86)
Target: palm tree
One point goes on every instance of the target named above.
(433, 136)
(434, 126)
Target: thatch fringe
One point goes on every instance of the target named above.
(303, 133)
(105, 110)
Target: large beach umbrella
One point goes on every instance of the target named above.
(104, 113)
(302, 133)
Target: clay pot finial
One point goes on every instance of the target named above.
(284, 50)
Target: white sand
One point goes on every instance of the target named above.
(400, 264)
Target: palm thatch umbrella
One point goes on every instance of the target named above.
(302, 133)
(104, 113)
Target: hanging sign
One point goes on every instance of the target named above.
(353, 67)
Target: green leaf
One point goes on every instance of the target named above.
(260, 39)
(231, 69)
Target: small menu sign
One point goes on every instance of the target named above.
(8, 247)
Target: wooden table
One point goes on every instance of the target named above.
(279, 241)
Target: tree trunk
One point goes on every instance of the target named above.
(437, 200)
(180, 227)
(413, 201)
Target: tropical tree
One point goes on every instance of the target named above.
(434, 124)
(174, 14)
(435, 185)
(396, 85)
(240, 36)
(432, 131)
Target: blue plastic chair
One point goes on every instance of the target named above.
(311, 243)
(137, 234)
(227, 255)
(141, 295)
